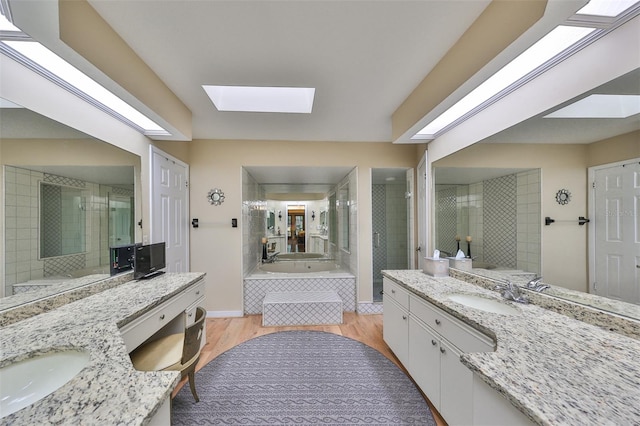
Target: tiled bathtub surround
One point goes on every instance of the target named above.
(256, 288)
(554, 369)
(624, 320)
(108, 390)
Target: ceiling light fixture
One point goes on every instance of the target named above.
(600, 106)
(610, 8)
(261, 99)
(48, 63)
(541, 53)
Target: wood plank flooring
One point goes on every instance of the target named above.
(225, 333)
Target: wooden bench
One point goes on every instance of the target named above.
(301, 308)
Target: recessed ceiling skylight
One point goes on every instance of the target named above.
(55, 65)
(600, 106)
(6, 25)
(554, 43)
(261, 99)
(611, 8)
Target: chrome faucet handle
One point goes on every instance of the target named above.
(535, 282)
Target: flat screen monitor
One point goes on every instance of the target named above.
(149, 260)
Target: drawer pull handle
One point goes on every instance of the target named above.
(198, 293)
(404, 317)
(393, 291)
(162, 316)
(438, 322)
(433, 342)
(190, 314)
(442, 350)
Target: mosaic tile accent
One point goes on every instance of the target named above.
(255, 290)
(127, 192)
(365, 308)
(51, 221)
(500, 221)
(446, 220)
(62, 265)
(65, 181)
(302, 308)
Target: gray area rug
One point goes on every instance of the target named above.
(301, 377)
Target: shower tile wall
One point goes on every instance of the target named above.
(254, 222)
(22, 257)
(446, 219)
(529, 221)
(500, 221)
(396, 224)
(504, 219)
(379, 201)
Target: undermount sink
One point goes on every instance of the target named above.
(483, 304)
(30, 380)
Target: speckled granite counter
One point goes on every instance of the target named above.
(108, 390)
(554, 369)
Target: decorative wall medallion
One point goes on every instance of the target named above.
(215, 197)
(563, 196)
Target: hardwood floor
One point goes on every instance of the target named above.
(225, 333)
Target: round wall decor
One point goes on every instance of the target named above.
(563, 196)
(215, 197)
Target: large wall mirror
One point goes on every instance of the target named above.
(67, 198)
(499, 191)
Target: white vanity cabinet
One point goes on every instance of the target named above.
(169, 317)
(436, 341)
(429, 342)
(395, 321)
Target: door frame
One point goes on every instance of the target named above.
(152, 194)
(591, 209)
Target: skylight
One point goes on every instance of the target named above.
(548, 47)
(261, 99)
(610, 8)
(600, 106)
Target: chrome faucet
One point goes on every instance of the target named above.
(536, 285)
(511, 292)
(271, 258)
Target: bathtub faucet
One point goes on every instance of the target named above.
(271, 258)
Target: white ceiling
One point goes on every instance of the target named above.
(363, 57)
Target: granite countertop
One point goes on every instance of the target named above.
(554, 369)
(108, 390)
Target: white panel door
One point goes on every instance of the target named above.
(617, 232)
(169, 208)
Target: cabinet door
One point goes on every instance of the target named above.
(395, 329)
(424, 360)
(456, 387)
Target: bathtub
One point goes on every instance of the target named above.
(298, 275)
(299, 266)
(301, 256)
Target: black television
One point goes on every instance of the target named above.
(149, 260)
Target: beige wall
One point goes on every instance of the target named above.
(216, 247)
(564, 244)
(619, 148)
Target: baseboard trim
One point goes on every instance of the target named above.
(224, 314)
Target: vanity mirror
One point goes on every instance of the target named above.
(67, 197)
(542, 155)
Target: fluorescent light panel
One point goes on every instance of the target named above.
(261, 99)
(554, 43)
(610, 8)
(600, 106)
(57, 66)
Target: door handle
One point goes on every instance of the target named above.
(419, 248)
(376, 236)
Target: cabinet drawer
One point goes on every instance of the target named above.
(195, 292)
(461, 335)
(395, 292)
(190, 312)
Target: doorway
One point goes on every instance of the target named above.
(614, 255)
(391, 223)
(296, 228)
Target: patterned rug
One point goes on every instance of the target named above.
(301, 377)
